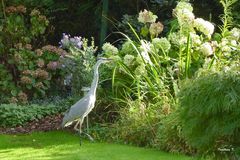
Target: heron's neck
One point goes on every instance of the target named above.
(95, 79)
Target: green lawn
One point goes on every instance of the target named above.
(65, 146)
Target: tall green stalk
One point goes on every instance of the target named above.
(227, 15)
(3, 9)
(188, 58)
(105, 4)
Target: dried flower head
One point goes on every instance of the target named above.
(26, 80)
(11, 9)
(53, 65)
(21, 9)
(146, 17)
(40, 63)
(13, 100)
(156, 28)
(28, 46)
(54, 49)
(39, 85)
(40, 73)
(39, 52)
(17, 57)
(18, 45)
(27, 72)
(22, 97)
(18, 9)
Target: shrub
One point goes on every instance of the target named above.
(80, 61)
(210, 111)
(28, 69)
(137, 124)
(170, 137)
(12, 115)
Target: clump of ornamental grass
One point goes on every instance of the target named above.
(210, 111)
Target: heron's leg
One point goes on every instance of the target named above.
(87, 125)
(75, 127)
(80, 130)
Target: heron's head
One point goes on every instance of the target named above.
(103, 59)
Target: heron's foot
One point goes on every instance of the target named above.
(89, 137)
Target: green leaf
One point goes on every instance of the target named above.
(29, 86)
(14, 92)
(144, 31)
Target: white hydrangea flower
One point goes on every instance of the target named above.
(146, 17)
(206, 49)
(226, 49)
(235, 34)
(128, 59)
(161, 44)
(116, 58)
(195, 39)
(225, 45)
(109, 49)
(185, 16)
(188, 15)
(127, 48)
(140, 70)
(181, 6)
(145, 49)
(176, 39)
(224, 42)
(203, 26)
(233, 43)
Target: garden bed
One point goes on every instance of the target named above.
(47, 123)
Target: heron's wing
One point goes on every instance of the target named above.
(78, 110)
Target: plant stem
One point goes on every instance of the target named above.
(3, 8)
(104, 21)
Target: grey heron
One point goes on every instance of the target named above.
(84, 106)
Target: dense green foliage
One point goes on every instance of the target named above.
(170, 137)
(12, 115)
(28, 69)
(210, 111)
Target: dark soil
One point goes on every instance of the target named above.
(46, 124)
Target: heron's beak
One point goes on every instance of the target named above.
(103, 58)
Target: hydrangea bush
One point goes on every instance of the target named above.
(28, 70)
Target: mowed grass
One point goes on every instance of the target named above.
(60, 145)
